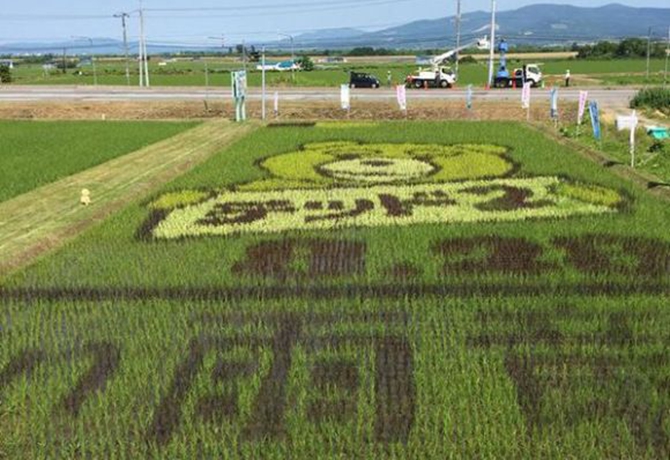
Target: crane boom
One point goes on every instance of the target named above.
(439, 77)
(438, 60)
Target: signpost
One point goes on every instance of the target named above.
(631, 123)
(239, 90)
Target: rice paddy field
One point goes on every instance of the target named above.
(35, 153)
(215, 72)
(353, 290)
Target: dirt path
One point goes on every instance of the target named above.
(431, 110)
(44, 219)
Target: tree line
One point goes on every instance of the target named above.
(626, 48)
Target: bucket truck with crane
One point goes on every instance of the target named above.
(439, 76)
(504, 79)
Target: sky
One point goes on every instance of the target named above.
(57, 20)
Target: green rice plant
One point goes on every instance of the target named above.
(36, 153)
(179, 199)
(528, 376)
(590, 194)
(506, 334)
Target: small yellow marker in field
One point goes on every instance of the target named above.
(85, 198)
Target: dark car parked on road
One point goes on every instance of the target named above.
(363, 80)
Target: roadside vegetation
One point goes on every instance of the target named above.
(653, 99)
(652, 155)
(5, 74)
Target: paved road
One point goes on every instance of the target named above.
(614, 97)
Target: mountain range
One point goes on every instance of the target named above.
(541, 24)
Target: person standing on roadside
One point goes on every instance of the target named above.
(567, 79)
(389, 79)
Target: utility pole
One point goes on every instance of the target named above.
(648, 52)
(458, 33)
(263, 85)
(206, 73)
(493, 41)
(667, 59)
(223, 43)
(64, 59)
(95, 72)
(292, 61)
(244, 56)
(123, 17)
(144, 58)
(290, 37)
(95, 69)
(140, 53)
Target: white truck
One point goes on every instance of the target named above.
(443, 77)
(439, 76)
(530, 73)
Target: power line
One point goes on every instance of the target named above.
(437, 41)
(292, 11)
(266, 33)
(52, 17)
(55, 47)
(271, 6)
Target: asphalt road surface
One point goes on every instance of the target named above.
(609, 97)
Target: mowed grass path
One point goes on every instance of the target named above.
(35, 153)
(45, 218)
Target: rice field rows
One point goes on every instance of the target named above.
(216, 72)
(369, 290)
(34, 153)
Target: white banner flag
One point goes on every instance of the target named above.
(583, 97)
(633, 127)
(345, 97)
(401, 96)
(554, 103)
(525, 95)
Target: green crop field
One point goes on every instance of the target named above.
(353, 290)
(36, 153)
(192, 73)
